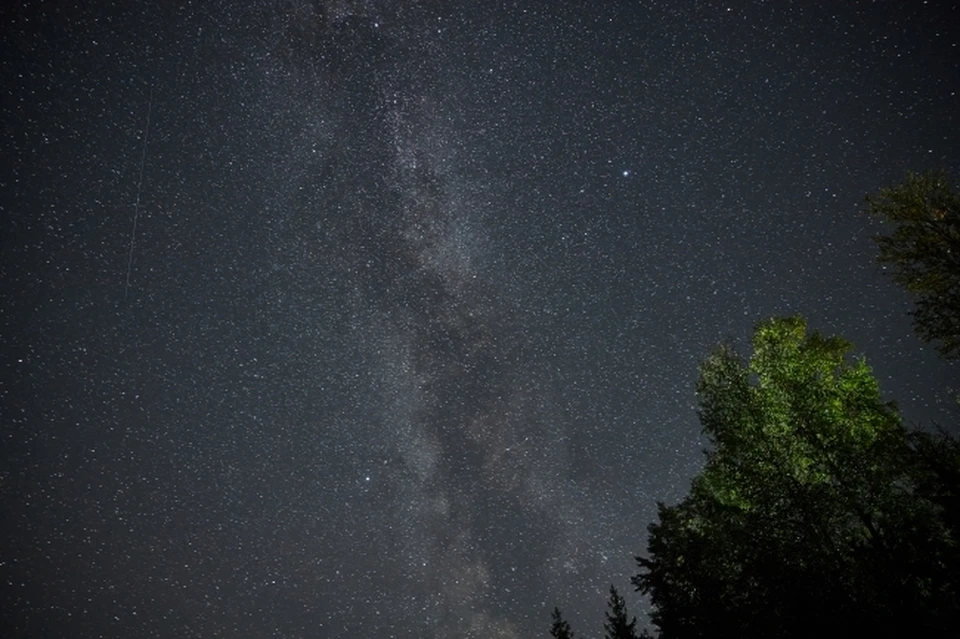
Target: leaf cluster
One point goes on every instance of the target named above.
(924, 251)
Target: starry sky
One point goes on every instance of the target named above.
(333, 318)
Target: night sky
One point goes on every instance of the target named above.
(382, 319)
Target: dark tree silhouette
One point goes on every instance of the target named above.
(616, 625)
(924, 251)
(816, 508)
(560, 629)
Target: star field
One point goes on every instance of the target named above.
(417, 291)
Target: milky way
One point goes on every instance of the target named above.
(466, 492)
(417, 292)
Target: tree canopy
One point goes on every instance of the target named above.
(815, 504)
(924, 251)
(816, 508)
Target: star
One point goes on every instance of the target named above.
(363, 253)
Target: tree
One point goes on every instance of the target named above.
(813, 506)
(616, 625)
(560, 629)
(924, 251)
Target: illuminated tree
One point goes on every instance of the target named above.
(809, 510)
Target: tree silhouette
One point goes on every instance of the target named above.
(924, 251)
(616, 625)
(560, 629)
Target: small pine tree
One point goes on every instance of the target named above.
(560, 629)
(617, 626)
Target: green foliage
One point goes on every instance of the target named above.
(815, 504)
(924, 251)
(616, 625)
(560, 628)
